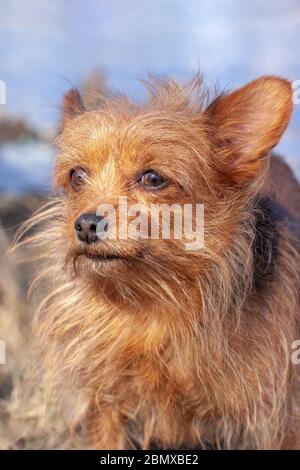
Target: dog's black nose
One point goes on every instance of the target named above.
(86, 227)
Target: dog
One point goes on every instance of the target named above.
(172, 347)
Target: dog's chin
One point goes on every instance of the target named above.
(103, 264)
(106, 274)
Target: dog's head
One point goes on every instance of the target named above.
(154, 192)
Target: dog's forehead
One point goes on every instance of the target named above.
(97, 137)
(129, 144)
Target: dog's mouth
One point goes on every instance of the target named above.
(106, 258)
(103, 259)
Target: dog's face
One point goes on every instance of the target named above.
(120, 164)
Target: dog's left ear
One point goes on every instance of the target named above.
(247, 123)
(72, 106)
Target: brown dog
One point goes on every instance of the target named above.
(174, 347)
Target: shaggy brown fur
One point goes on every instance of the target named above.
(175, 348)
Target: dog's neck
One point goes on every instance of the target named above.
(269, 215)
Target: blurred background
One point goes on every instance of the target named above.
(48, 47)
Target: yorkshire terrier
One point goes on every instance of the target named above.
(175, 347)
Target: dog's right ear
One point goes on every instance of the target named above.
(72, 106)
(248, 123)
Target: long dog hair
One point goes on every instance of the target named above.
(175, 348)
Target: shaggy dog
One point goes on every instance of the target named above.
(176, 348)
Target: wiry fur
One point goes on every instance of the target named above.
(176, 348)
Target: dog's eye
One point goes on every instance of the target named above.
(77, 177)
(152, 180)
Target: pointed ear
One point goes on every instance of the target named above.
(248, 123)
(72, 106)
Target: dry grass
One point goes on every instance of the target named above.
(25, 419)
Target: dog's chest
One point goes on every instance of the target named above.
(153, 394)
